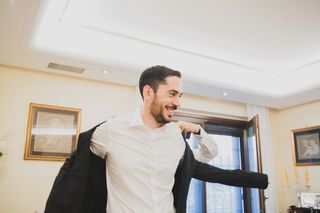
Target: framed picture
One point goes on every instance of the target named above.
(52, 132)
(307, 146)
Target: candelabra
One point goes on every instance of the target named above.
(299, 187)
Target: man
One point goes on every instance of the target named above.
(153, 146)
(144, 158)
(143, 150)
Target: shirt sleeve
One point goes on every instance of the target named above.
(208, 148)
(99, 140)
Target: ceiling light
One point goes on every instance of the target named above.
(225, 94)
(106, 71)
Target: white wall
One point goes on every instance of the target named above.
(282, 122)
(25, 184)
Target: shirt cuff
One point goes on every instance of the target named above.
(200, 134)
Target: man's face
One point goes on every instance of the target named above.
(166, 100)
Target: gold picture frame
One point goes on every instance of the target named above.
(52, 132)
(307, 146)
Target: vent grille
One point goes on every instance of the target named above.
(63, 67)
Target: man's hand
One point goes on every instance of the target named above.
(189, 127)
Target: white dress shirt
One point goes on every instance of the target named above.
(141, 163)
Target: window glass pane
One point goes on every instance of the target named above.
(194, 201)
(222, 198)
(252, 147)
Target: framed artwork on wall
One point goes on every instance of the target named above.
(52, 132)
(307, 146)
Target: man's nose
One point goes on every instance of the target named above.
(177, 101)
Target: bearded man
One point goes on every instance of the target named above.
(141, 162)
(143, 149)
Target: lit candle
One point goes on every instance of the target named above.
(306, 177)
(286, 179)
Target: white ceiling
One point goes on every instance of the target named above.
(264, 52)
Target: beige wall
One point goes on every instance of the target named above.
(213, 107)
(282, 122)
(25, 184)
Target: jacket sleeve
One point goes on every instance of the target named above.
(80, 186)
(237, 177)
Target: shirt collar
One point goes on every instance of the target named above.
(136, 119)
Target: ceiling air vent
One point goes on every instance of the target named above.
(63, 67)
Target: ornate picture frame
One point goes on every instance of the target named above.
(307, 146)
(52, 132)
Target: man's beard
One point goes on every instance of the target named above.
(157, 112)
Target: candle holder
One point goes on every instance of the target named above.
(299, 188)
(297, 185)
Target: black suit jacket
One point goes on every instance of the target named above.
(81, 187)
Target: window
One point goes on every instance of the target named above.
(223, 198)
(238, 149)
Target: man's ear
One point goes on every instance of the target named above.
(147, 92)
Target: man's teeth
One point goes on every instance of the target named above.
(170, 110)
